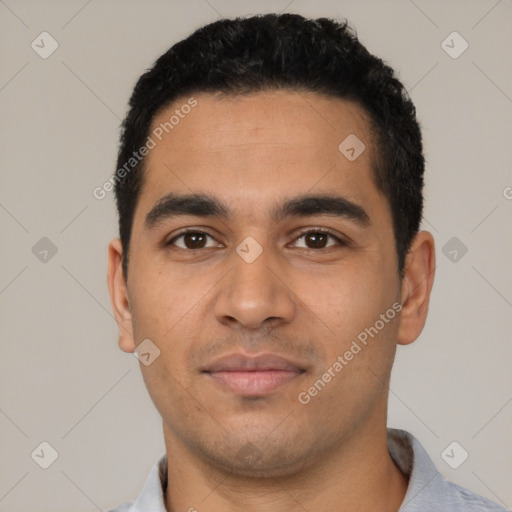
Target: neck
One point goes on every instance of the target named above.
(357, 476)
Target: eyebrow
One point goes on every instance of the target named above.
(204, 205)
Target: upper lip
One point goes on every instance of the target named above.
(244, 363)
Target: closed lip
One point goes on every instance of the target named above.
(237, 362)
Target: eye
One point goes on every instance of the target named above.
(314, 239)
(192, 240)
(317, 239)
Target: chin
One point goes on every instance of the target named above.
(250, 461)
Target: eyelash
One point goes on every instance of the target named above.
(300, 235)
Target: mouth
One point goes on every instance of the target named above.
(252, 376)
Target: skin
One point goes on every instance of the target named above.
(297, 299)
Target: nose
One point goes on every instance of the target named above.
(255, 294)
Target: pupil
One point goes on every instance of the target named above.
(318, 239)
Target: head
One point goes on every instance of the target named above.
(300, 157)
(268, 53)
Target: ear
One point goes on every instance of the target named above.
(416, 287)
(119, 296)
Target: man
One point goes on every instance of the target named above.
(269, 190)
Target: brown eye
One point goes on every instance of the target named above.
(191, 240)
(194, 240)
(315, 239)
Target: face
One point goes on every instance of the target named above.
(263, 268)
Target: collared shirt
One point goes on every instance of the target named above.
(427, 491)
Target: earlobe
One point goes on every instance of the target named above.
(416, 287)
(117, 287)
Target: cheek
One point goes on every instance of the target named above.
(161, 299)
(168, 389)
(358, 344)
(168, 308)
(347, 296)
(349, 302)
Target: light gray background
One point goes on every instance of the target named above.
(63, 379)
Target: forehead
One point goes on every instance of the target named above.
(221, 121)
(258, 146)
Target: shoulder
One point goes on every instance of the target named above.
(151, 498)
(462, 499)
(428, 489)
(445, 496)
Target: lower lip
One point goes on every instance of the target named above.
(255, 383)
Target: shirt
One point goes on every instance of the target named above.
(427, 490)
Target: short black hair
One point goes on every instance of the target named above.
(283, 51)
